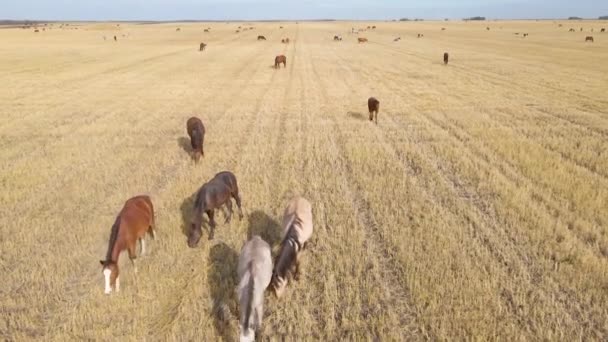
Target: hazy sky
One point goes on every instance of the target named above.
(294, 9)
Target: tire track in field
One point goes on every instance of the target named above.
(378, 245)
(458, 187)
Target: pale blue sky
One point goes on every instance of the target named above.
(293, 9)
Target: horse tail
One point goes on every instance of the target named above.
(113, 237)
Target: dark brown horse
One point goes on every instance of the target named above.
(374, 106)
(202, 47)
(603, 30)
(589, 39)
(132, 223)
(213, 195)
(446, 57)
(196, 131)
(261, 38)
(280, 59)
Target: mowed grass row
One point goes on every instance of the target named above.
(474, 208)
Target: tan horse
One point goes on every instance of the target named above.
(362, 40)
(132, 223)
(297, 229)
(255, 272)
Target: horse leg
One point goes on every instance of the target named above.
(237, 198)
(211, 223)
(142, 244)
(376, 117)
(133, 255)
(229, 207)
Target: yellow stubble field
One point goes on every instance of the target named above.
(476, 208)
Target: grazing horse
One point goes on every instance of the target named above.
(213, 195)
(337, 38)
(297, 229)
(261, 38)
(178, 29)
(196, 131)
(603, 30)
(589, 39)
(443, 29)
(373, 27)
(420, 35)
(115, 38)
(374, 106)
(362, 40)
(571, 30)
(525, 34)
(254, 272)
(132, 223)
(206, 30)
(397, 39)
(446, 57)
(280, 59)
(202, 47)
(286, 40)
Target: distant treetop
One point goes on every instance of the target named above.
(574, 18)
(604, 17)
(475, 18)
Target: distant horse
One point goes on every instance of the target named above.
(206, 30)
(397, 39)
(443, 29)
(373, 27)
(362, 40)
(280, 27)
(337, 38)
(213, 195)
(446, 57)
(571, 30)
(261, 38)
(287, 40)
(178, 29)
(115, 38)
(297, 229)
(487, 29)
(254, 272)
(589, 39)
(202, 47)
(603, 30)
(196, 131)
(525, 35)
(374, 106)
(237, 31)
(420, 35)
(132, 223)
(280, 59)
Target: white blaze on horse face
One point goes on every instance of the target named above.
(247, 336)
(106, 273)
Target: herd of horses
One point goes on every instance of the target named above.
(256, 270)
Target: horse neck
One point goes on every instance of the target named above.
(286, 256)
(114, 243)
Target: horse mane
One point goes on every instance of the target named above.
(113, 238)
(249, 305)
(290, 235)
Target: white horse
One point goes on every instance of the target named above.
(255, 272)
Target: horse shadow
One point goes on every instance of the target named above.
(264, 226)
(184, 143)
(222, 282)
(356, 115)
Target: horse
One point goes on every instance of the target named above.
(213, 195)
(571, 30)
(589, 39)
(202, 47)
(397, 39)
(206, 30)
(446, 57)
(443, 29)
(196, 131)
(362, 40)
(286, 40)
(178, 29)
(255, 272)
(115, 38)
(373, 27)
(525, 35)
(374, 106)
(261, 38)
(297, 229)
(603, 30)
(420, 35)
(337, 38)
(132, 223)
(280, 59)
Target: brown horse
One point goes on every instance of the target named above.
(589, 39)
(280, 59)
(297, 229)
(261, 38)
(206, 30)
(603, 30)
(362, 40)
(374, 106)
(213, 195)
(202, 47)
(196, 131)
(132, 223)
(446, 57)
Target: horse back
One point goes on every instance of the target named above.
(298, 214)
(137, 215)
(373, 104)
(194, 123)
(229, 179)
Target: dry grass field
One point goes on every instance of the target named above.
(476, 209)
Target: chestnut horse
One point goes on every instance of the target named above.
(374, 106)
(132, 223)
(202, 47)
(280, 59)
(254, 272)
(196, 131)
(297, 229)
(446, 57)
(362, 40)
(213, 195)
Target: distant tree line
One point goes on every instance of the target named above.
(604, 17)
(476, 18)
(575, 18)
(408, 19)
